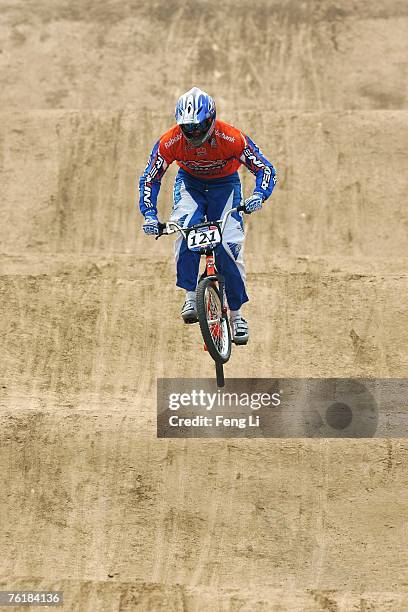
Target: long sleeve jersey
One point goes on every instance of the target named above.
(220, 156)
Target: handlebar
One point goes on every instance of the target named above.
(171, 227)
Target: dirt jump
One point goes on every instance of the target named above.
(91, 501)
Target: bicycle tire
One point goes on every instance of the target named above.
(219, 373)
(208, 290)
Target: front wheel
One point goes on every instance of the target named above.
(213, 322)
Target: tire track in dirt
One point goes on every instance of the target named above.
(123, 47)
(328, 193)
(91, 317)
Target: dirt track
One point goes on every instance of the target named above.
(91, 502)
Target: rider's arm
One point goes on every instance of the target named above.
(149, 183)
(252, 157)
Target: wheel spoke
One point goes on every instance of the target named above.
(216, 324)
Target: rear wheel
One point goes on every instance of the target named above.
(213, 322)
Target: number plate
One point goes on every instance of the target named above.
(203, 237)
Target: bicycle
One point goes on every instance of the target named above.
(212, 307)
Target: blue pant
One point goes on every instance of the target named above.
(197, 200)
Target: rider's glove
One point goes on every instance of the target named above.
(253, 203)
(151, 224)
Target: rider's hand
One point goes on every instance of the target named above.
(151, 224)
(253, 203)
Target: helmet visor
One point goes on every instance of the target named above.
(196, 132)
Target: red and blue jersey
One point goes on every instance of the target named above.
(220, 156)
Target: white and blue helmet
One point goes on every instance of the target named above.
(195, 114)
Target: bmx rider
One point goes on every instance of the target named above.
(208, 152)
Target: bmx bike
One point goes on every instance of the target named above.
(211, 302)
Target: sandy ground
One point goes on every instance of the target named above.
(90, 501)
(296, 54)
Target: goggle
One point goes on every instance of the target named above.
(195, 129)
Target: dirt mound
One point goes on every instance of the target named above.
(278, 55)
(92, 502)
(70, 181)
(108, 502)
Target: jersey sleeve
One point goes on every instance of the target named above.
(150, 181)
(253, 158)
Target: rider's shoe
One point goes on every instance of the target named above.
(240, 332)
(189, 311)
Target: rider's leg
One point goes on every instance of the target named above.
(223, 195)
(235, 289)
(229, 255)
(188, 209)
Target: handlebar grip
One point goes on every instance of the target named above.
(162, 227)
